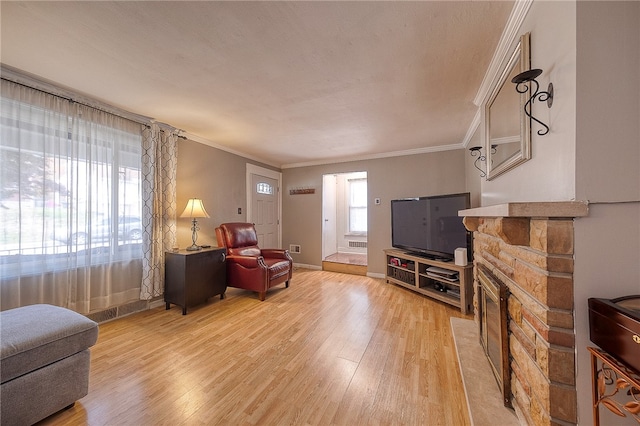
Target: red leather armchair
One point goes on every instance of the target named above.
(248, 266)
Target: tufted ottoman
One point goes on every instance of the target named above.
(44, 361)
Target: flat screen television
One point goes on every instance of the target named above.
(430, 226)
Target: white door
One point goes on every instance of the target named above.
(329, 237)
(264, 210)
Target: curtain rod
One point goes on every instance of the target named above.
(69, 99)
(17, 77)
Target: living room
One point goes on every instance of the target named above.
(588, 50)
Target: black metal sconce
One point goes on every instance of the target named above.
(520, 81)
(476, 151)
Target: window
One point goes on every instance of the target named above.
(264, 188)
(70, 185)
(357, 206)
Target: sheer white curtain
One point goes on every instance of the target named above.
(159, 161)
(70, 203)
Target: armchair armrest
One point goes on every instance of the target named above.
(276, 254)
(247, 261)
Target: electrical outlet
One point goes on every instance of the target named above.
(376, 201)
(239, 210)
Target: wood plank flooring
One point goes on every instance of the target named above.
(333, 349)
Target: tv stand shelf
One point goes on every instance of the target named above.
(446, 281)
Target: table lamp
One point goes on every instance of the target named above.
(194, 209)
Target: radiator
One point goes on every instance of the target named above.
(357, 244)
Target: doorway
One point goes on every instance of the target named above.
(344, 222)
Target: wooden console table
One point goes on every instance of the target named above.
(616, 377)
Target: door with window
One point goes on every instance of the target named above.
(264, 210)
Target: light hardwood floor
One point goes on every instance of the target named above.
(333, 349)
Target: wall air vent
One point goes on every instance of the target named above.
(357, 244)
(294, 248)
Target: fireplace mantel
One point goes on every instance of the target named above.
(531, 209)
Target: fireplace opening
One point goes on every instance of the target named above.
(494, 336)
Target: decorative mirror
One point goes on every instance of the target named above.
(507, 129)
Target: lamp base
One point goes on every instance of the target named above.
(193, 247)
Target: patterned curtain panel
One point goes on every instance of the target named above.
(159, 162)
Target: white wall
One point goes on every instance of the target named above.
(550, 174)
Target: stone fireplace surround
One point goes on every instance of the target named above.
(529, 247)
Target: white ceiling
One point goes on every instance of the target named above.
(288, 83)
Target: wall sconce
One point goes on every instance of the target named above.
(194, 210)
(476, 151)
(520, 81)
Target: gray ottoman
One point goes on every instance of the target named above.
(44, 361)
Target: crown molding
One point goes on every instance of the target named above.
(375, 156)
(212, 144)
(503, 50)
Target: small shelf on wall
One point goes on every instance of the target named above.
(299, 191)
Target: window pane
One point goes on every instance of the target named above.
(358, 219)
(264, 188)
(358, 205)
(358, 192)
(68, 184)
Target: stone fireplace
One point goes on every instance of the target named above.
(529, 248)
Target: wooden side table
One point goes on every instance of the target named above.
(192, 277)
(608, 381)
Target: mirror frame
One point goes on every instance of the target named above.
(520, 56)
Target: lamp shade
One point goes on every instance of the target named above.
(194, 208)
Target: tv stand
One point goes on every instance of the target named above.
(437, 279)
(428, 256)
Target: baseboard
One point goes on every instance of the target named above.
(344, 268)
(305, 266)
(120, 311)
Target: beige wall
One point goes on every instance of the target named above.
(608, 101)
(472, 175)
(607, 173)
(218, 178)
(388, 179)
(607, 249)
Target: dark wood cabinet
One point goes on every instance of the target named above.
(192, 277)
